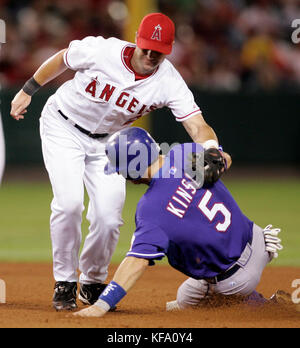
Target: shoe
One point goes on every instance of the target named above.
(89, 293)
(172, 306)
(64, 297)
(255, 299)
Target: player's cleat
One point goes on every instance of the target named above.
(89, 293)
(255, 299)
(64, 297)
(172, 306)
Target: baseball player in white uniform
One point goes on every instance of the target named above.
(116, 82)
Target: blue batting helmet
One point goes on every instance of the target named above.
(130, 152)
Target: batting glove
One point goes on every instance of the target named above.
(272, 241)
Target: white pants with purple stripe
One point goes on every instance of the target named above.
(243, 282)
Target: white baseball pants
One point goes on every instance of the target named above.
(75, 161)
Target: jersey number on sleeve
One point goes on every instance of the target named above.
(211, 213)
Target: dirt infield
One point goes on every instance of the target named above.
(30, 287)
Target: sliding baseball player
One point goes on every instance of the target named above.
(199, 228)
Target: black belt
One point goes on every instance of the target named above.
(228, 273)
(88, 133)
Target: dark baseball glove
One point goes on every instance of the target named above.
(214, 165)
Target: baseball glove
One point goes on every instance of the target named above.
(214, 165)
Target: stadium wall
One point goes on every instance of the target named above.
(255, 128)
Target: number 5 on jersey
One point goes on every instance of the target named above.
(211, 213)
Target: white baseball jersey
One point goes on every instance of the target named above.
(104, 97)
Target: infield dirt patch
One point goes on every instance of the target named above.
(29, 289)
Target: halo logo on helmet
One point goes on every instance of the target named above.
(130, 152)
(157, 33)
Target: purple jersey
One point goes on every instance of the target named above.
(201, 231)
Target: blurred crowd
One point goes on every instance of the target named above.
(226, 45)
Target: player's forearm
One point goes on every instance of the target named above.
(51, 68)
(199, 130)
(129, 271)
(203, 134)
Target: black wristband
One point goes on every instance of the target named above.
(31, 86)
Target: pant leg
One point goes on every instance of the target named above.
(243, 282)
(64, 160)
(191, 292)
(246, 279)
(107, 197)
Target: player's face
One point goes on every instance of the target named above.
(146, 61)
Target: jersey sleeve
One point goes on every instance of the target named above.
(180, 99)
(149, 242)
(80, 53)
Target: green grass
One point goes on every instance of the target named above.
(25, 212)
(25, 215)
(275, 202)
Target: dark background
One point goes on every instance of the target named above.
(255, 128)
